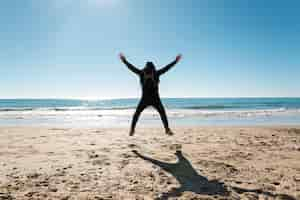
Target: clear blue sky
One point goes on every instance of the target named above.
(69, 48)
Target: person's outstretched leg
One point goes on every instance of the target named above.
(141, 106)
(160, 108)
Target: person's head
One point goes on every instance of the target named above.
(149, 68)
(178, 153)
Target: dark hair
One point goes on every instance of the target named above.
(150, 67)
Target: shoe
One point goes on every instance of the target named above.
(169, 132)
(131, 133)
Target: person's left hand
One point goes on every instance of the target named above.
(178, 57)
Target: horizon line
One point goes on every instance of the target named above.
(121, 98)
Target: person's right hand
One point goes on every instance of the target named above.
(122, 57)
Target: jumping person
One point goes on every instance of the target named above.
(149, 79)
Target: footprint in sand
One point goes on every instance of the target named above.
(132, 146)
(99, 131)
(218, 167)
(92, 155)
(104, 161)
(125, 159)
(33, 175)
(105, 149)
(5, 196)
(126, 155)
(97, 159)
(176, 147)
(58, 129)
(124, 163)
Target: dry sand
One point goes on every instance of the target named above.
(196, 163)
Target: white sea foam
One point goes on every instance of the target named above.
(148, 112)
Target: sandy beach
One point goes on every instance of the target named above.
(196, 163)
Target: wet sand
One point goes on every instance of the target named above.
(196, 163)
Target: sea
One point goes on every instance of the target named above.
(180, 111)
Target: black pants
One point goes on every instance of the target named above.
(156, 103)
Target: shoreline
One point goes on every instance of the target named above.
(149, 127)
(198, 162)
(180, 111)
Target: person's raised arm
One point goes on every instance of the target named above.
(129, 65)
(169, 66)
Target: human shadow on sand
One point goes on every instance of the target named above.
(190, 180)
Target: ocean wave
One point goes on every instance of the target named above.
(93, 109)
(148, 114)
(211, 110)
(207, 107)
(66, 109)
(16, 109)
